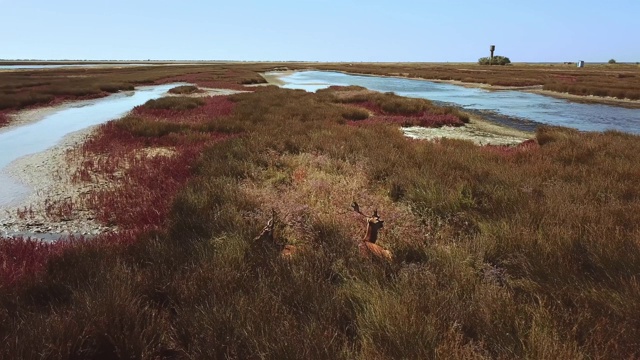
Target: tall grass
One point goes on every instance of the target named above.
(528, 253)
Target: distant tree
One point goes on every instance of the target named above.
(497, 60)
(612, 61)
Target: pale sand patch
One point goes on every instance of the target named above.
(273, 77)
(478, 131)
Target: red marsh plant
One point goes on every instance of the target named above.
(4, 119)
(186, 110)
(22, 258)
(147, 181)
(392, 108)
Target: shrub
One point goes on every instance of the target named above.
(174, 103)
(497, 60)
(185, 89)
(612, 61)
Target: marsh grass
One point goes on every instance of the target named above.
(525, 253)
(174, 103)
(43, 87)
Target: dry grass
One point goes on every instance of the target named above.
(499, 253)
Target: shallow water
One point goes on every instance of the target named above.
(46, 133)
(518, 108)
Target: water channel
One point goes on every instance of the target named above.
(514, 108)
(46, 133)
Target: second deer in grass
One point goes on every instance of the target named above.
(368, 246)
(266, 239)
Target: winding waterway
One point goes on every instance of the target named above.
(516, 108)
(46, 133)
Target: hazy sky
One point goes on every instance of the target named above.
(322, 30)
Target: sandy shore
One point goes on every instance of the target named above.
(48, 174)
(274, 77)
(478, 131)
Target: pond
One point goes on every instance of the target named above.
(518, 109)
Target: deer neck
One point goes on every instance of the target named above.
(371, 235)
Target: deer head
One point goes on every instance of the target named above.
(374, 223)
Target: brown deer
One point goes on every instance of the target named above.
(267, 240)
(368, 246)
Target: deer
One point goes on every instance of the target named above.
(266, 239)
(368, 247)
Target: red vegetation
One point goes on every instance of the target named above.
(4, 119)
(23, 258)
(425, 118)
(140, 175)
(215, 106)
(148, 170)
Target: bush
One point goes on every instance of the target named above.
(184, 89)
(174, 103)
(612, 61)
(497, 60)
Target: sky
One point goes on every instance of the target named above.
(321, 30)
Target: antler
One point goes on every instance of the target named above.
(356, 208)
(267, 231)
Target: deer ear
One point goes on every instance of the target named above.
(355, 206)
(375, 213)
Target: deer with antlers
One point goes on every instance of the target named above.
(368, 246)
(267, 240)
